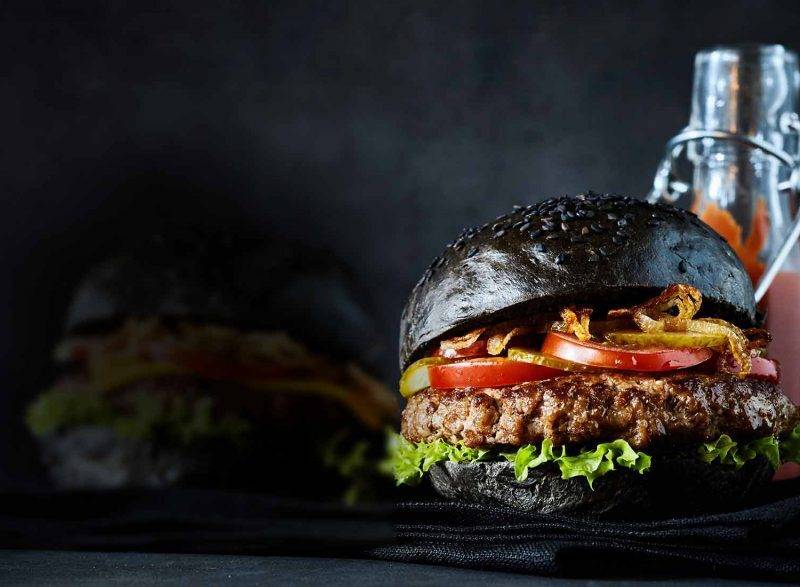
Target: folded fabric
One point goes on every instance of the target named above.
(760, 542)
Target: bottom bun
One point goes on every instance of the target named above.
(95, 457)
(677, 483)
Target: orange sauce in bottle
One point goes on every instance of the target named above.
(748, 249)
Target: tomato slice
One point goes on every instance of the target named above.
(213, 366)
(768, 369)
(760, 368)
(476, 349)
(487, 372)
(568, 347)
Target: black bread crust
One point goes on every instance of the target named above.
(237, 280)
(677, 483)
(590, 249)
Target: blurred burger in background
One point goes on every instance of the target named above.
(214, 361)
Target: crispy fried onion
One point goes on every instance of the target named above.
(757, 338)
(497, 342)
(463, 341)
(737, 350)
(574, 321)
(674, 310)
(670, 311)
(497, 337)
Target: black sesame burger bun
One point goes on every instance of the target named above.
(231, 280)
(598, 250)
(185, 274)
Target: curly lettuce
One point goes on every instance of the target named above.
(142, 417)
(588, 463)
(727, 451)
(789, 447)
(410, 461)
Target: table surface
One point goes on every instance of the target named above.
(40, 567)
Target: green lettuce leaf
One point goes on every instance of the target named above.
(411, 460)
(768, 447)
(729, 452)
(529, 457)
(142, 417)
(58, 408)
(590, 464)
(603, 459)
(790, 447)
(348, 457)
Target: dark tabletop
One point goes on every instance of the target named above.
(42, 567)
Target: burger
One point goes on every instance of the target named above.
(595, 354)
(214, 361)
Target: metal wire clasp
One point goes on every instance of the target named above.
(667, 187)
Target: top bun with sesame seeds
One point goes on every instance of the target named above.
(602, 250)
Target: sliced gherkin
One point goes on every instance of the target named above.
(672, 340)
(415, 378)
(531, 356)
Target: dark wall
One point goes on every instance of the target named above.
(376, 129)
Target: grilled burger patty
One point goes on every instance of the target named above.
(576, 409)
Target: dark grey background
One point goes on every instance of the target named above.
(376, 129)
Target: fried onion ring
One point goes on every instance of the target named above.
(575, 321)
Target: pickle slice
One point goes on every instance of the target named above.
(671, 340)
(415, 378)
(531, 356)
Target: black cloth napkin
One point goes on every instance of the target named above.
(760, 542)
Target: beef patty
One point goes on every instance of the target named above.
(686, 407)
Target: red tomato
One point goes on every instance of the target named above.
(212, 366)
(476, 349)
(765, 369)
(487, 372)
(568, 347)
